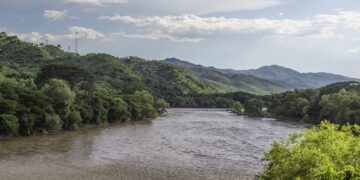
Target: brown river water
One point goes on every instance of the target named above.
(181, 144)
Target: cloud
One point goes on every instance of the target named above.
(97, 2)
(354, 50)
(207, 6)
(83, 33)
(156, 36)
(55, 15)
(188, 26)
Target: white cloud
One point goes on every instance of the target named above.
(189, 6)
(87, 33)
(206, 6)
(328, 26)
(194, 24)
(156, 36)
(97, 2)
(354, 50)
(83, 33)
(55, 15)
(32, 37)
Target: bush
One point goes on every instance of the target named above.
(118, 110)
(61, 95)
(52, 122)
(326, 151)
(161, 105)
(9, 124)
(237, 108)
(73, 120)
(253, 107)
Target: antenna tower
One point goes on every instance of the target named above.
(76, 42)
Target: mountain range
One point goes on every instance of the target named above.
(264, 80)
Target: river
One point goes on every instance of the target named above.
(181, 144)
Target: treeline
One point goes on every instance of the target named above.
(30, 104)
(339, 103)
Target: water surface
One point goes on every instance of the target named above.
(181, 144)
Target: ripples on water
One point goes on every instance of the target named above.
(181, 144)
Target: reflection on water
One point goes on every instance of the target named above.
(182, 144)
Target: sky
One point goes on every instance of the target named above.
(305, 35)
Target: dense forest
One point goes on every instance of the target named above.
(43, 88)
(339, 103)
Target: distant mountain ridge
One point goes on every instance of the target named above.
(227, 82)
(282, 77)
(294, 79)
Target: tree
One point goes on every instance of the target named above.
(141, 105)
(118, 110)
(9, 124)
(341, 108)
(253, 107)
(73, 120)
(237, 108)
(161, 105)
(62, 98)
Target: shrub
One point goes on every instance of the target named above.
(326, 151)
(9, 124)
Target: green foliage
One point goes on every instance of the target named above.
(73, 120)
(161, 105)
(325, 152)
(339, 103)
(141, 105)
(61, 95)
(51, 122)
(291, 103)
(73, 75)
(118, 110)
(237, 108)
(341, 108)
(254, 107)
(55, 51)
(9, 124)
(15, 50)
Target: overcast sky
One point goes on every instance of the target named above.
(306, 35)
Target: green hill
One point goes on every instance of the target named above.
(123, 74)
(225, 82)
(43, 88)
(15, 50)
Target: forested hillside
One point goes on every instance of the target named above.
(264, 80)
(226, 82)
(44, 88)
